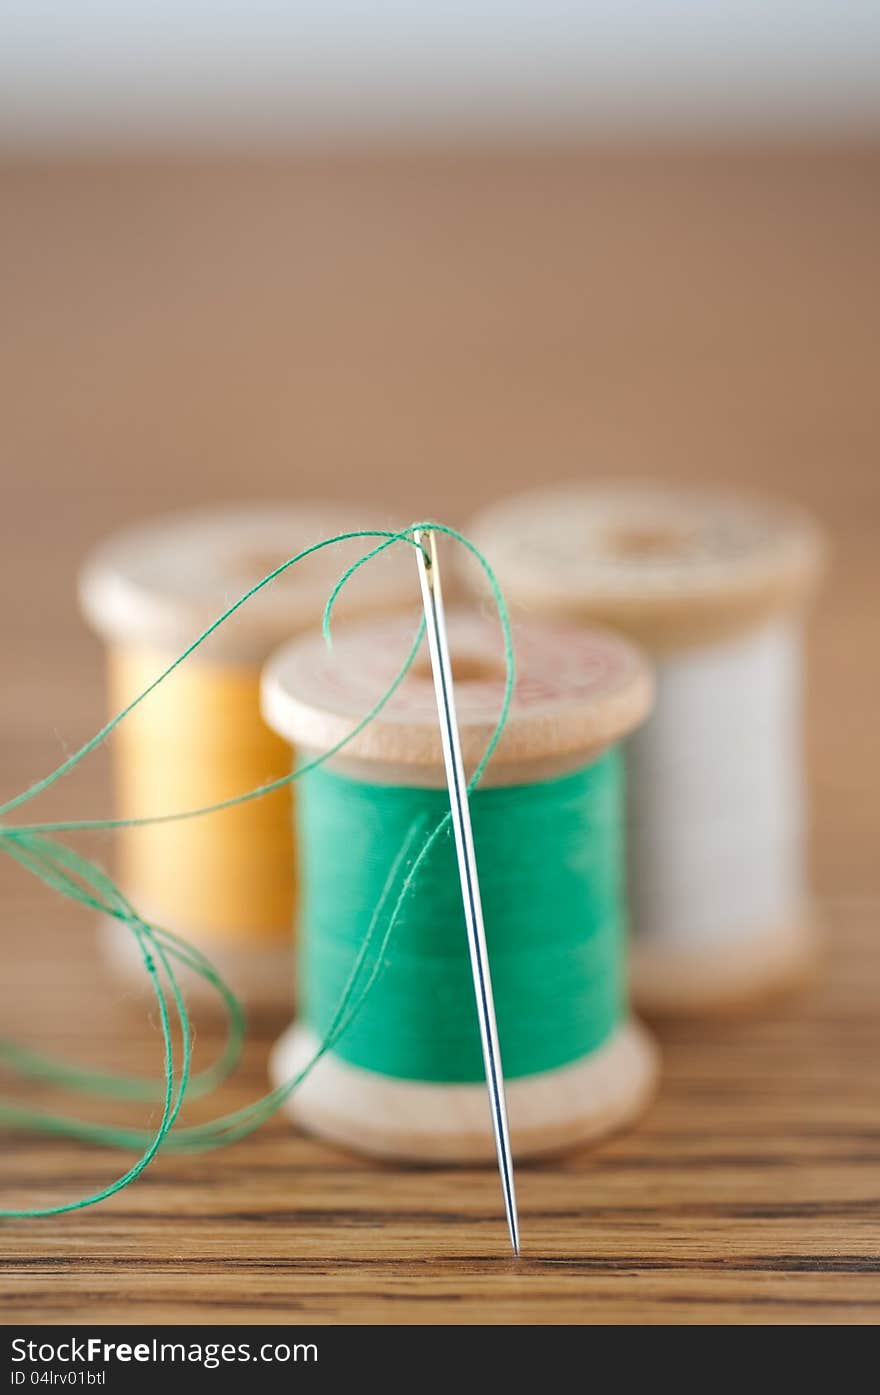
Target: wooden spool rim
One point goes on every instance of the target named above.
(668, 566)
(577, 691)
(160, 584)
(733, 975)
(418, 1121)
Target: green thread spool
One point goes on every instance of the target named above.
(406, 1080)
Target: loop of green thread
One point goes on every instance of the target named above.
(550, 857)
(81, 880)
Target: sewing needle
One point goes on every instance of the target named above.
(432, 599)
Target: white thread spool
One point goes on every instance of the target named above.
(578, 691)
(714, 586)
(224, 881)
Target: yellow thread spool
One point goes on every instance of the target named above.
(226, 868)
(225, 880)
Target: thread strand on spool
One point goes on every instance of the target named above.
(404, 1080)
(713, 585)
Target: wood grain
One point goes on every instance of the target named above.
(428, 333)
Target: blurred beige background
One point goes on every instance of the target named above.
(424, 330)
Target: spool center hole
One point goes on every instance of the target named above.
(466, 668)
(649, 541)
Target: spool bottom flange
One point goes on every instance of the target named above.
(668, 979)
(261, 976)
(420, 1121)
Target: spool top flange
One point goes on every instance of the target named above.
(577, 691)
(159, 585)
(669, 566)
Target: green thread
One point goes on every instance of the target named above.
(550, 876)
(79, 879)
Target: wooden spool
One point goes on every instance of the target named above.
(577, 693)
(224, 881)
(712, 585)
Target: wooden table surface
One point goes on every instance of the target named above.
(427, 332)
